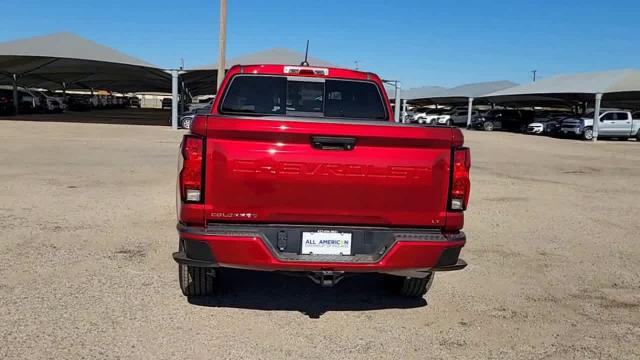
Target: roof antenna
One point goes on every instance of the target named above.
(306, 54)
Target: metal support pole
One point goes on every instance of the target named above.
(174, 99)
(469, 112)
(397, 101)
(16, 103)
(183, 96)
(596, 117)
(404, 110)
(222, 41)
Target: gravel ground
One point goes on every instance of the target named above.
(87, 227)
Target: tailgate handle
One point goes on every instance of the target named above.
(333, 143)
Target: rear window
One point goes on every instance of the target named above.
(299, 96)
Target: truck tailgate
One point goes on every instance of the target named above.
(263, 170)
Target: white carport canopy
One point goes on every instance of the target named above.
(617, 88)
(424, 92)
(459, 95)
(66, 61)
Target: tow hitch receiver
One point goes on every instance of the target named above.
(326, 278)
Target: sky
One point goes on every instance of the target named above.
(420, 43)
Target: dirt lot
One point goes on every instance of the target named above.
(87, 227)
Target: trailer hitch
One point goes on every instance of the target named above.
(326, 278)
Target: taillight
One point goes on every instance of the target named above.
(460, 183)
(191, 173)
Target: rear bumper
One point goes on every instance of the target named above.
(248, 247)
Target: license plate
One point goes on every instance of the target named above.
(326, 243)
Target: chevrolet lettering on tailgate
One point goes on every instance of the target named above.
(349, 170)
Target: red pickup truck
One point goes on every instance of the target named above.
(302, 169)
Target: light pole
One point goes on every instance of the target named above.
(397, 103)
(222, 43)
(469, 112)
(175, 98)
(596, 117)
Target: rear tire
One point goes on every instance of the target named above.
(196, 281)
(186, 123)
(411, 287)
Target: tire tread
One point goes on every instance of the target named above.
(195, 281)
(411, 287)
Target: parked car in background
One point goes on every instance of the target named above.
(509, 120)
(168, 102)
(48, 103)
(102, 101)
(444, 119)
(78, 102)
(28, 102)
(547, 123)
(408, 116)
(186, 120)
(93, 100)
(612, 124)
(431, 116)
(133, 102)
(57, 97)
(459, 116)
(6, 102)
(203, 103)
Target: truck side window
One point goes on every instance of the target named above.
(622, 116)
(608, 117)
